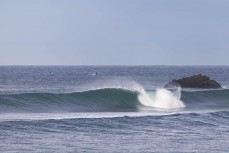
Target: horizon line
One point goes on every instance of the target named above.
(107, 65)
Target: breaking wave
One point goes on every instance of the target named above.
(115, 99)
(96, 100)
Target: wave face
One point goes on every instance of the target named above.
(115, 100)
(88, 101)
(206, 99)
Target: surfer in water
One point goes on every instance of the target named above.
(96, 73)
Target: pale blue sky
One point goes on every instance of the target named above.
(114, 32)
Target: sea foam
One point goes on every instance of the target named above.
(162, 98)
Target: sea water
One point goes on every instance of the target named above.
(111, 109)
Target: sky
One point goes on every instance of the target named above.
(114, 32)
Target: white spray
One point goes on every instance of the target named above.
(162, 98)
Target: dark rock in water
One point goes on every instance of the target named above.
(195, 81)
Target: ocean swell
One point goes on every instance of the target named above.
(96, 100)
(115, 100)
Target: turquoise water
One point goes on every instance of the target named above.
(111, 109)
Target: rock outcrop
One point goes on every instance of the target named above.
(195, 81)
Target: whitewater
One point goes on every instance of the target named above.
(121, 109)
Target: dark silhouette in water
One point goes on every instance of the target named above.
(195, 81)
(96, 73)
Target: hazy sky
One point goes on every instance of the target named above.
(114, 32)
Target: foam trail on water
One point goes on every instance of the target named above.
(162, 98)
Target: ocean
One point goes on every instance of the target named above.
(112, 109)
